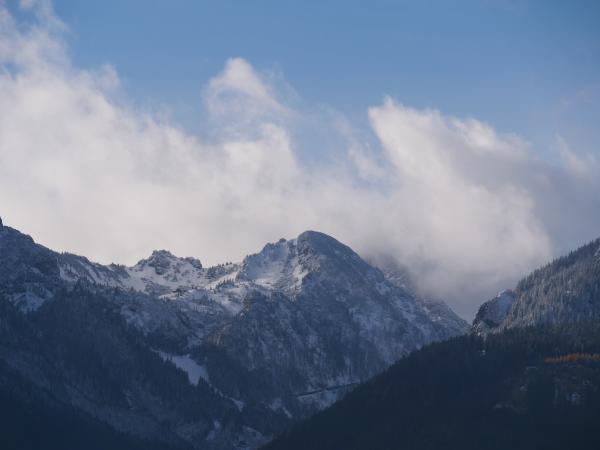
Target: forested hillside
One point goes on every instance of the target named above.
(521, 389)
(567, 290)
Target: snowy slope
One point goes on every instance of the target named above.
(283, 307)
(281, 334)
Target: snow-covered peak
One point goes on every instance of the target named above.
(312, 267)
(285, 264)
(163, 261)
(281, 266)
(163, 271)
(323, 253)
(320, 244)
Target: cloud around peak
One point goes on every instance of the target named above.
(467, 209)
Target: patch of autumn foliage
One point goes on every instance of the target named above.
(573, 358)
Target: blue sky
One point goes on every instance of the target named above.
(459, 140)
(526, 67)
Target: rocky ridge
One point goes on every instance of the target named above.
(262, 343)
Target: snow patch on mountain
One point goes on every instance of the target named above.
(164, 271)
(276, 267)
(278, 405)
(29, 301)
(194, 371)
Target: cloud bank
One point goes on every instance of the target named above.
(466, 209)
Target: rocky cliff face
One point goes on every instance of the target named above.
(492, 313)
(218, 357)
(565, 291)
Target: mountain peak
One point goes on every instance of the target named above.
(318, 237)
(323, 244)
(312, 234)
(162, 253)
(288, 262)
(163, 260)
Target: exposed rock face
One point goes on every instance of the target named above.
(493, 312)
(261, 343)
(565, 291)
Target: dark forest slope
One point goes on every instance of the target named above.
(521, 389)
(567, 290)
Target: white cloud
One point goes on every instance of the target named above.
(467, 209)
(585, 167)
(240, 94)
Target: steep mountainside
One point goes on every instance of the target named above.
(519, 389)
(566, 290)
(219, 357)
(527, 377)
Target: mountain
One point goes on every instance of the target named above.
(566, 290)
(528, 376)
(178, 354)
(518, 389)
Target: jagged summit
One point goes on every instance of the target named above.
(161, 260)
(309, 244)
(271, 339)
(161, 254)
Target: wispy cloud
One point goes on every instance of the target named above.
(240, 91)
(467, 209)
